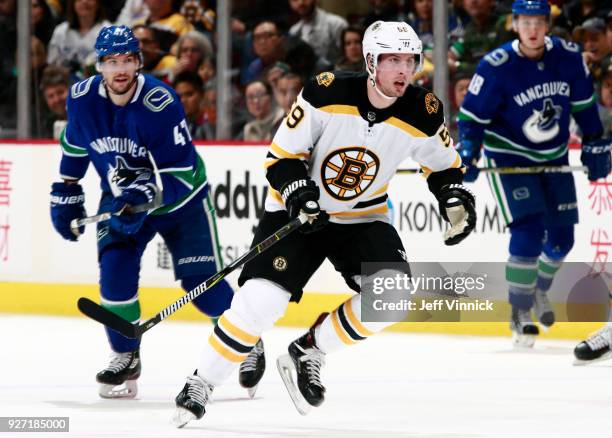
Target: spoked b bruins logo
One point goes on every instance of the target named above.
(348, 172)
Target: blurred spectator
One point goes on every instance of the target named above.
(164, 16)
(609, 29)
(54, 88)
(319, 28)
(605, 93)
(190, 88)
(421, 20)
(385, 10)
(192, 48)
(43, 21)
(209, 111)
(8, 76)
(268, 46)
(156, 61)
(199, 15)
(275, 73)
(207, 70)
(479, 38)
(133, 11)
(461, 83)
(592, 35)
(72, 43)
(246, 14)
(287, 89)
(576, 12)
(258, 96)
(352, 50)
(301, 59)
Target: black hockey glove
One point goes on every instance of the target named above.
(302, 195)
(457, 207)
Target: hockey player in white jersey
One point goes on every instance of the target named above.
(332, 158)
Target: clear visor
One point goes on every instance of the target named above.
(127, 64)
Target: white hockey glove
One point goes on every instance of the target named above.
(457, 207)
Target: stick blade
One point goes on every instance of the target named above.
(106, 317)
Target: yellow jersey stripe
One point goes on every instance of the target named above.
(341, 109)
(357, 325)
(270, 162)
(457, 162)
(219, 348)
(339, 331)
(275, 195)
(383, 209)
(280, 152)
(405, 127)
(380, 191)
(236, 332)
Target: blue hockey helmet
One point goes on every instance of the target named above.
(115, 40)
(531, 7)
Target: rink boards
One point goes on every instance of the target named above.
(41, 273)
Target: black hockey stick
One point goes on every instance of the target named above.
(127, 209)
(76, 223)
(111, 320)
(518, 169)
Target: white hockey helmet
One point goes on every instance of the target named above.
(390, 37)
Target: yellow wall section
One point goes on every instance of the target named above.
(60, 299)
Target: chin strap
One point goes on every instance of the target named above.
(380, 93)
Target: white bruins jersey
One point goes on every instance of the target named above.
(352, 150)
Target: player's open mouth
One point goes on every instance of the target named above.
(399, 83)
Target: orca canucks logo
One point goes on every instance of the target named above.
(543, 125)
(121, 175)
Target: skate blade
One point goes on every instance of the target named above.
(128, 389)
(286, 368)
(582, 362)
(523, 341)
(252, 391)
(181, 417)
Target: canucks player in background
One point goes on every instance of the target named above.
(519, 105)
(131, 126)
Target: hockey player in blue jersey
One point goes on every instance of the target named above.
(131, 127)
(518, 106)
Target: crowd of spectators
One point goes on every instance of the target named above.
(276, 47)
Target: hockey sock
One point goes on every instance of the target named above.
(255, 308)
(521, 275)
(547, 268)
(344, 327)
(119, 267)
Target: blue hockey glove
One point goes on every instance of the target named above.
(470, 154)
(67, 204)
(596, 156)
(124, 222)
(458, 207)
(302, 195)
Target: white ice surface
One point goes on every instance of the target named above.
(391, 385)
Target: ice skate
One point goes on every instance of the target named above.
(118, 379)
(595, 349)
(252, 369)
(543, 309)
(192, 400)
(305, 361)
(524, 331)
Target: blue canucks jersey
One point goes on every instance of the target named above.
(125, 144)
(520, 108)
